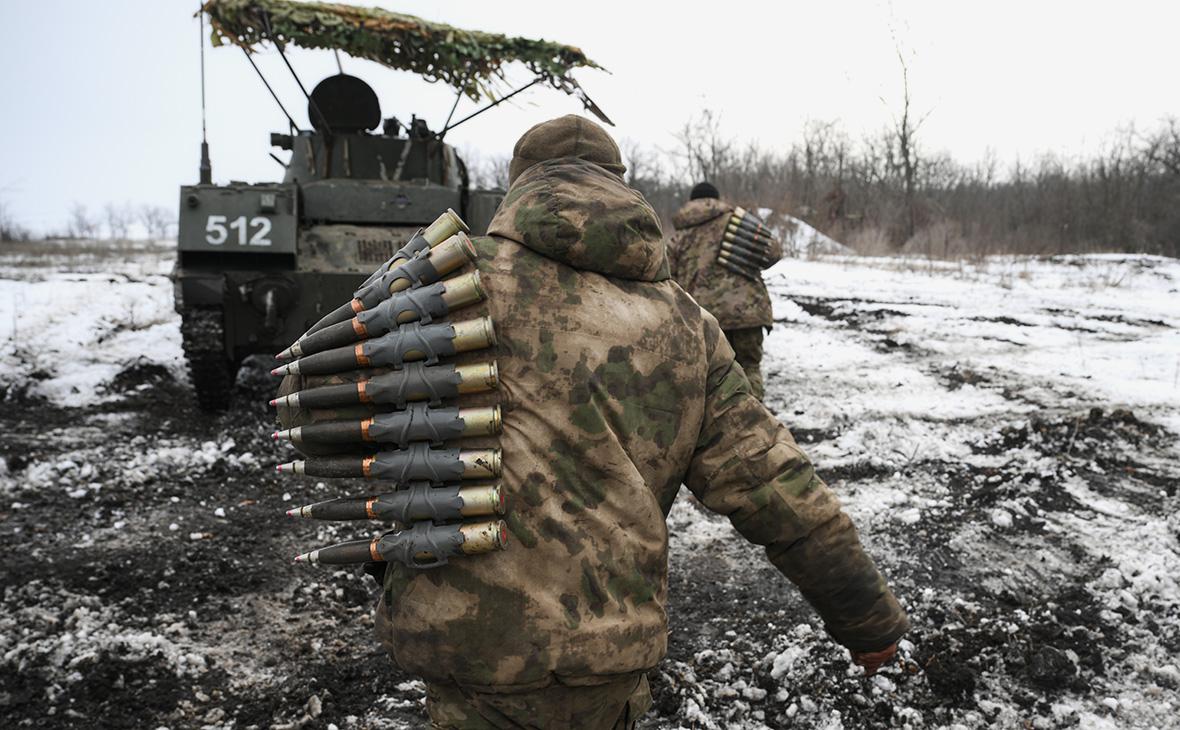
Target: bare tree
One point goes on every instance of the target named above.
(81, 223)
(155, 219)
(10, 230)
(703, 151)
(119, 219)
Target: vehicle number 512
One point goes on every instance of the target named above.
(252, 232)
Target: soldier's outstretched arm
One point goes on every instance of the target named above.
(747, 467)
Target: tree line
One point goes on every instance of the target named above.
(115, 222)
(886, 193)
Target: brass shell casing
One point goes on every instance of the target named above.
(474, 334)
(480, 463)
(483, 421)
(443, 227)
(451, 254)
(482, 501)
(484, 537)
(463, 290)
(478, 377)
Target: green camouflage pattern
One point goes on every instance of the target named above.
(616, 388)
(747, 349)
(614, 705)
(736, 302)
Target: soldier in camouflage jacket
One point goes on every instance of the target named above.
(616, 389)
(741, 306)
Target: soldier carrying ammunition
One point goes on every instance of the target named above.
(615, 388)
(717, 254)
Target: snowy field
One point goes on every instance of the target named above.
(1004, 433)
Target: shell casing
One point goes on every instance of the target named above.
(478, 377)
(481, 463)
(443, 227)
(463, 291)
(420, 502)
(480, 501)
(474, 334)
(451, 254)
(481, 421)
(484, 537)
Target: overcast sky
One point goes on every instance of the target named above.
(101, 100)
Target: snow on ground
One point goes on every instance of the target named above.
(994, 428)
(64, 336)
(1003, 432)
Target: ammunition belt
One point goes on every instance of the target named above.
(747, 246)
(397, 319)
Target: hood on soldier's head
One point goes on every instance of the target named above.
(568, 136)
(701, 210)
(577, 210)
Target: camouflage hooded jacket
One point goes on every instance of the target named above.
(735, 301)
(616, 388)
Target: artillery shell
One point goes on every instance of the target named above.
(423, 545)
(415, 382)
(419, 422)
(421, 502)
(419, 462)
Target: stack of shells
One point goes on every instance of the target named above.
(396, 335)
(748, 247)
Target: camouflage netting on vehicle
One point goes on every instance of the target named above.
(467, 60)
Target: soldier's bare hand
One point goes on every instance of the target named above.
(874, 660)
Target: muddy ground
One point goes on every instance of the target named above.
(1034, 540)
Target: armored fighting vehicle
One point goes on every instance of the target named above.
(260, 263)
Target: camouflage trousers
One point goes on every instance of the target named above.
(615, 705)
(747, 346)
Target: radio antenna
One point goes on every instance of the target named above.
(206, 171)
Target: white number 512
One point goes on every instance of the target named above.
(217, 230)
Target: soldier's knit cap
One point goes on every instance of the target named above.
(704, 190)
(568, 136)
